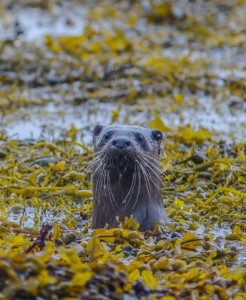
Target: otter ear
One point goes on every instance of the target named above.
(157, 135)
(97, 130)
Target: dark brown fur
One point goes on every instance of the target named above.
(126, 176)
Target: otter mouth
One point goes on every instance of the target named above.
(122, 161)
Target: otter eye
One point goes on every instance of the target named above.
(139, 137)
(157, 135)
(106, 136)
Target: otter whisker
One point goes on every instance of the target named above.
(150, 178)
(99, 162)
(95, 160)
(127, 163)
(148, 167)
(134, 183)
(88, 166)
(159, 171)
(152, 158)
(101, 176)
(105, 184)
(104, 181)
(172, 173)
(139, 185)
(167, 178)
(156, 167)
(131, 190)
(99, 184)
(83, 159)
(154, 171)
(107, 190)
(110, 190)
(99, 165)
(146, 178)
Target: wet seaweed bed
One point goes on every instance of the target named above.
(178, 67)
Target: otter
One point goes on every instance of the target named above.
(126, 176)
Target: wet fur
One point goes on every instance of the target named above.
(133, 188)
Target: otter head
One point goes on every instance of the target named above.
(121, 144)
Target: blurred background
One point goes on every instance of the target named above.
(68, 65)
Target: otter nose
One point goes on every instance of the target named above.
(121, 143)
